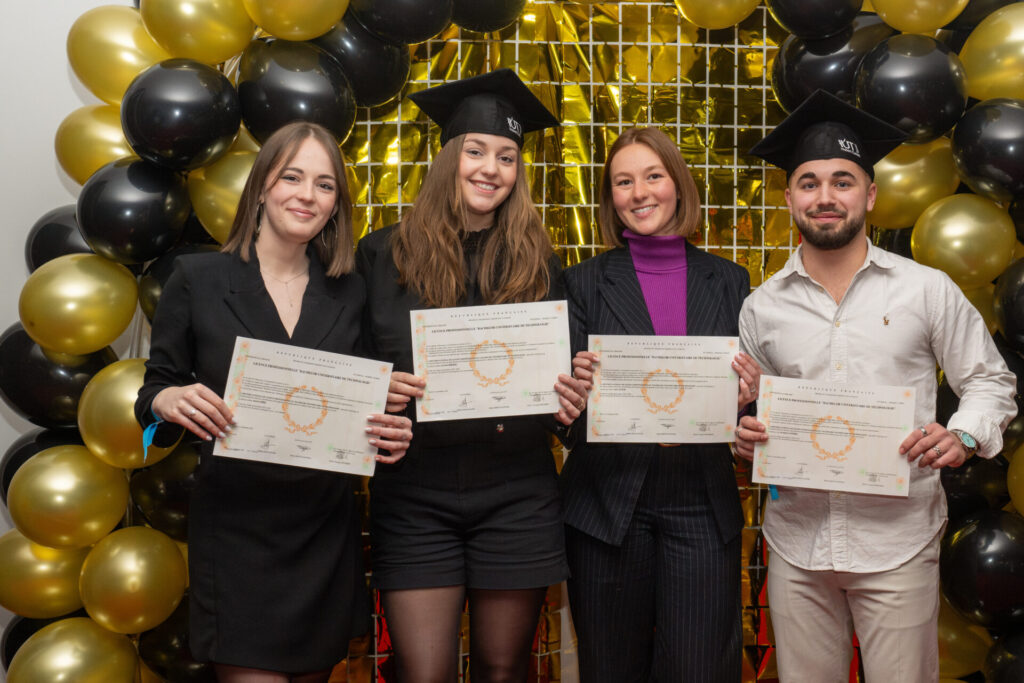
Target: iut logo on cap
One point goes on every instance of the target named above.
(849, 146)
(514, 126)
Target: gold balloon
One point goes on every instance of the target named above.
(244, 141)
(962, 650)
(63, 497)
(296, 19)
(89, 138)
(717, 13)
(36, 581)
(147, 675)
(108, 47)
(918, 16)
(77, 650)
(183, 549)
(983, 299)
(208, 31)
(968, 236)
(106, 416)
(1015, 481)
(77, 303)
(215, 190)
(910, 179)
(993, 55)
(132, 580)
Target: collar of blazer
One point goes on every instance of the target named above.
(249, 301)
(621, 289)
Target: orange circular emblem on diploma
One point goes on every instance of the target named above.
(500, 380)
(658, 407)
(839, 455)
(310, 428)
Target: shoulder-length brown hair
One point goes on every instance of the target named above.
(335, 246)
(687, 215)
(427, 246)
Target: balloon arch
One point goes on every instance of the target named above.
(190, 89)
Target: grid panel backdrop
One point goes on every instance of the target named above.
(602, 68)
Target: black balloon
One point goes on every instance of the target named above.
(403, 21)
(486, 15)
(975, 12)
(165, 650)
(162, 492)
(132, 210)
(41, 386)
(915, 83)
(180, 114)
(982, 568)
(376, 70)
(1005, 661)
(27, 445)
(896, 241)
(1009, 304)
(281, 81)
(987, 148)
(54, 234)
(19, 629)
(979, 484)
(1017, 214)
(153, 279)
(803, 66)
(814, 18)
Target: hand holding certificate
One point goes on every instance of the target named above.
(297, 406)
(490, 361)
(663, 389)
(835, 437)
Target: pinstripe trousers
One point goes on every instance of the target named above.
(665, 605)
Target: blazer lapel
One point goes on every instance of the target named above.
(621, 291)
(252, 306)
(320, 310)
(702, 293)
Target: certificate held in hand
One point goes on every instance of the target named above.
(490, 361)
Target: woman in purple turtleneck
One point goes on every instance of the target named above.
(653, 530)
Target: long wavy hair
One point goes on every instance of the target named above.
(427, 246)
(334, 242)
(687, 214)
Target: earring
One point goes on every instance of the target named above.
(259, 218)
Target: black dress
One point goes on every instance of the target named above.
(474, 502)
(275, 557)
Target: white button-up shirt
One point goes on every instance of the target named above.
(897, 320)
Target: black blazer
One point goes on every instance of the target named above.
(601, 482)
(388, 336)
(219, 297)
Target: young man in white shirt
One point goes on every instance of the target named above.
(845, 311)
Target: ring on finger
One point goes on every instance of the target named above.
(191, 412)
(581, 405)
(938, 451)
(924, 432)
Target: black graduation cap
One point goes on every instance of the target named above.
(826, 127)
(497, 103)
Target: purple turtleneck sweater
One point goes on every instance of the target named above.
(660, 263)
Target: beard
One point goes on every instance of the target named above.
(832, 238)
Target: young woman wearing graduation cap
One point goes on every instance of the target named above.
(473, 510)
(653, 529)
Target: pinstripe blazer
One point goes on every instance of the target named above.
(601, 482)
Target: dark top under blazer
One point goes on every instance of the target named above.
(389, 337)
(275, 556)
(601, 481)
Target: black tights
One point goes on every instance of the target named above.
(424, 628)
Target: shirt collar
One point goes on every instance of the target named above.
(876, 256)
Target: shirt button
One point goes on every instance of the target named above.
(839, 366)
(837, 323)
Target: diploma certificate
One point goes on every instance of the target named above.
(834, 436)
(304, 407)
(663, 389)
(490, 361)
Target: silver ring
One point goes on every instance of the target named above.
(924, 432)
(938, 451)
(192, 412)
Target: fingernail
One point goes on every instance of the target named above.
(222, 435)
(229, 428)
(234, 421)
(373, 442)
(369, 430)
(208, 438)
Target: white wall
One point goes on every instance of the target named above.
(37, 90)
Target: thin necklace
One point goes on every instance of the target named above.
(287, 292)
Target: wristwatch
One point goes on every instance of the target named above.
(969, 443)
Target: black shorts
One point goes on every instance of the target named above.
(449, 521)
